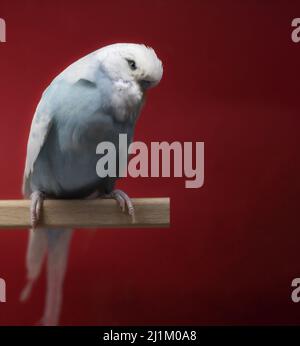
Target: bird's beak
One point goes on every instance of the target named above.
(146, 84)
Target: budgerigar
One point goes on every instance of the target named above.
(95, 99)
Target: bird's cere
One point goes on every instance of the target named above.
(115, 161)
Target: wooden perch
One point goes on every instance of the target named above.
(105, 213)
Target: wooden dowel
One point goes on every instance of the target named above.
(105, 213)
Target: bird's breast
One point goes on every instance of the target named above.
(67, 163)
(126, 99)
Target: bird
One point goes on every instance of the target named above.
(95, 99)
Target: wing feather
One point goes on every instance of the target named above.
(40, 127)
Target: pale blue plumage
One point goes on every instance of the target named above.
(94, 100)
(80, 116)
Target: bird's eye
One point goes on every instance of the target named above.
(131, 64)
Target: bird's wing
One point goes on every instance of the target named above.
(84, 69)
(40, 127)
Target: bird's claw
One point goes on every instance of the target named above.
(124, 201)
(37, 199)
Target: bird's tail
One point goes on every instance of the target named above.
(55, 244)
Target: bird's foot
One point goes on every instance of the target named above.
(37, 199)
(124, 202)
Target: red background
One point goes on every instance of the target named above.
(231, 80)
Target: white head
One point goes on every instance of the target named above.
(132, 63)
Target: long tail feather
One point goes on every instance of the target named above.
(58, 248)
(56, 243)
(36, 251)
